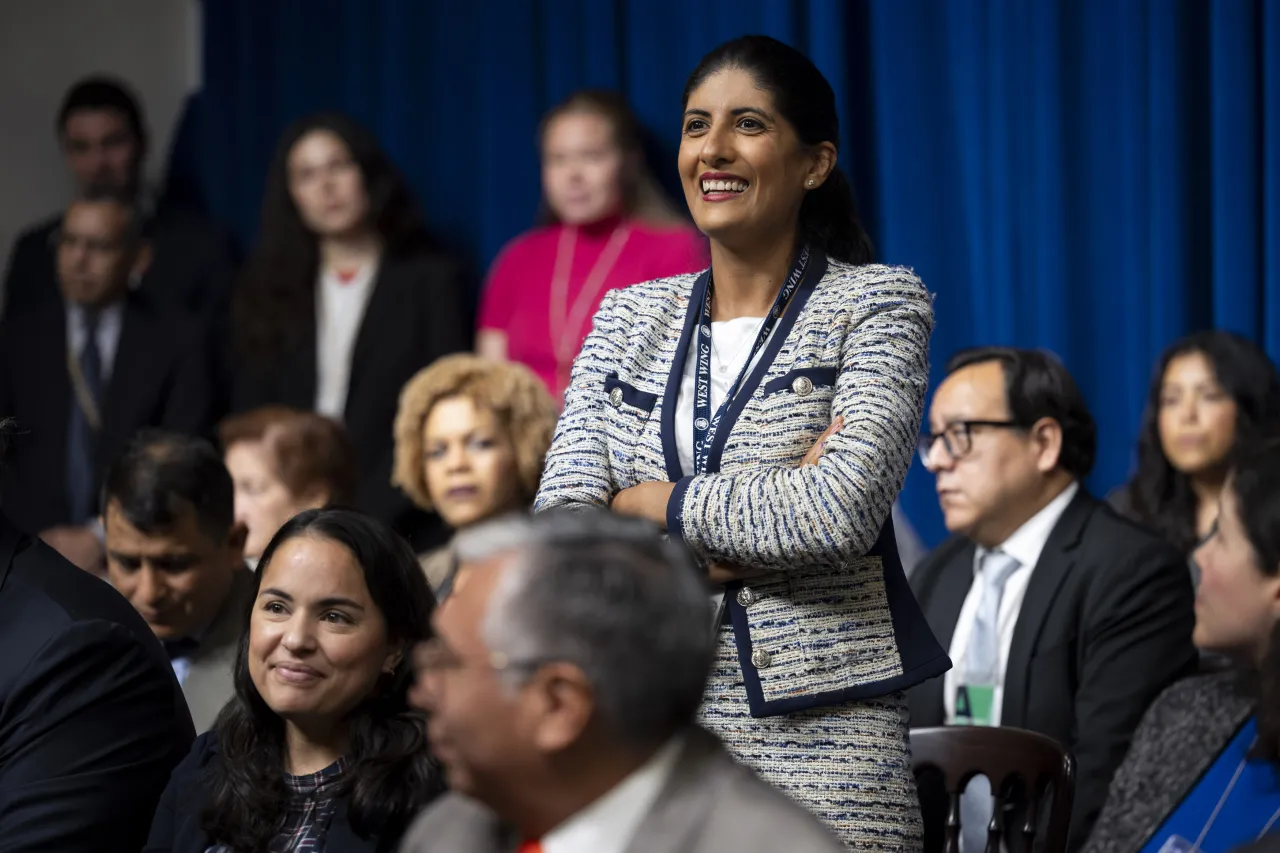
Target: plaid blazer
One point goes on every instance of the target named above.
(834, 620)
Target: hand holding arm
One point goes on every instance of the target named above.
(831, 512)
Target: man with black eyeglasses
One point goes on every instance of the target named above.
(1061, 617)
(80, 376)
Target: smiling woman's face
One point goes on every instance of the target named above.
(317, 641)
(744, 169)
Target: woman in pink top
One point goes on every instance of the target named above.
(610, 226)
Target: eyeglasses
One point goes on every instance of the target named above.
(957, 438)
(434, 656)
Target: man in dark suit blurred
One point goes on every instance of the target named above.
(81, 378)
(1062, 617)
(91, 719)
(104, 140)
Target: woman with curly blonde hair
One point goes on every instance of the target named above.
(471, 438)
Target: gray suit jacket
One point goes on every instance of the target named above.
(1183, 732)
(711, 804)
(208, 684)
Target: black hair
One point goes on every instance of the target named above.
(104, 93)
(275, 297)
(1255, 482)
(1037, 385)
(160, 476)
(1160, 496)
(390, 772)
(828, 216)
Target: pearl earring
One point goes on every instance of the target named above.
(810, 183)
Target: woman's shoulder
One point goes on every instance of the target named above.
(873, 277)
(525, 244)
(1193, 700)
(868, 288)
(645, 297)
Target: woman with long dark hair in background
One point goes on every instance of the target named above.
(1210, 392)
(319, 748)
(345, 298)
(606, 224)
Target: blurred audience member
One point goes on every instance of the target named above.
(91, 720)
(175, 553)
(608, 225)
(471, 438)
(81, 379)
(319, 749)
(1210, 391)
(345, 298)
(563, 686)
(1062, 617)
(1205, 763)
(103, 136)
(283, 461)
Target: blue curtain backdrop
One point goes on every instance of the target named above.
(1096, 177)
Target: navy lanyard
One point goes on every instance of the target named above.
(705, 424)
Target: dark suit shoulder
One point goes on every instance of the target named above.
(932, 564)
(39, 234)
(41, 580)
(423, 265)
(1117, 542)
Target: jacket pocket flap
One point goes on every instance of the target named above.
(803, 380)
(629, 394)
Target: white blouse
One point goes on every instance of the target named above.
(730, 345)
(340, 308)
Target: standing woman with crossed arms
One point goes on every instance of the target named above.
(765, 412)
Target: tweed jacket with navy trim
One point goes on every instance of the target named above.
(834, 620)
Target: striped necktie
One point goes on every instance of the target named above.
(81, 436)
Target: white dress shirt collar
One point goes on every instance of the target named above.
(609, 824)
(1029, 540)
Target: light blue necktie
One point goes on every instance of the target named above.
(982, 666)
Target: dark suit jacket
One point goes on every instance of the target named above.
(710, 804)
(192, 266)
(1181, 736)
(176, 828)
(1105, 626)
(162, 377)
(91, 718)
(414, 316)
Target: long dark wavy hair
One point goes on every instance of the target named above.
(391, 774)
(1160, 496)
(274, 301)
(1255, 480)
(828, 216)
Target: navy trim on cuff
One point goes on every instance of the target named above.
(675, 512)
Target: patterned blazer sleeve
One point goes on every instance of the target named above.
(577, 472)
(830, 513)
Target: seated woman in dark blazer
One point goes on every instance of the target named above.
(344, 298)
(1203, 771)
(319, 749)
